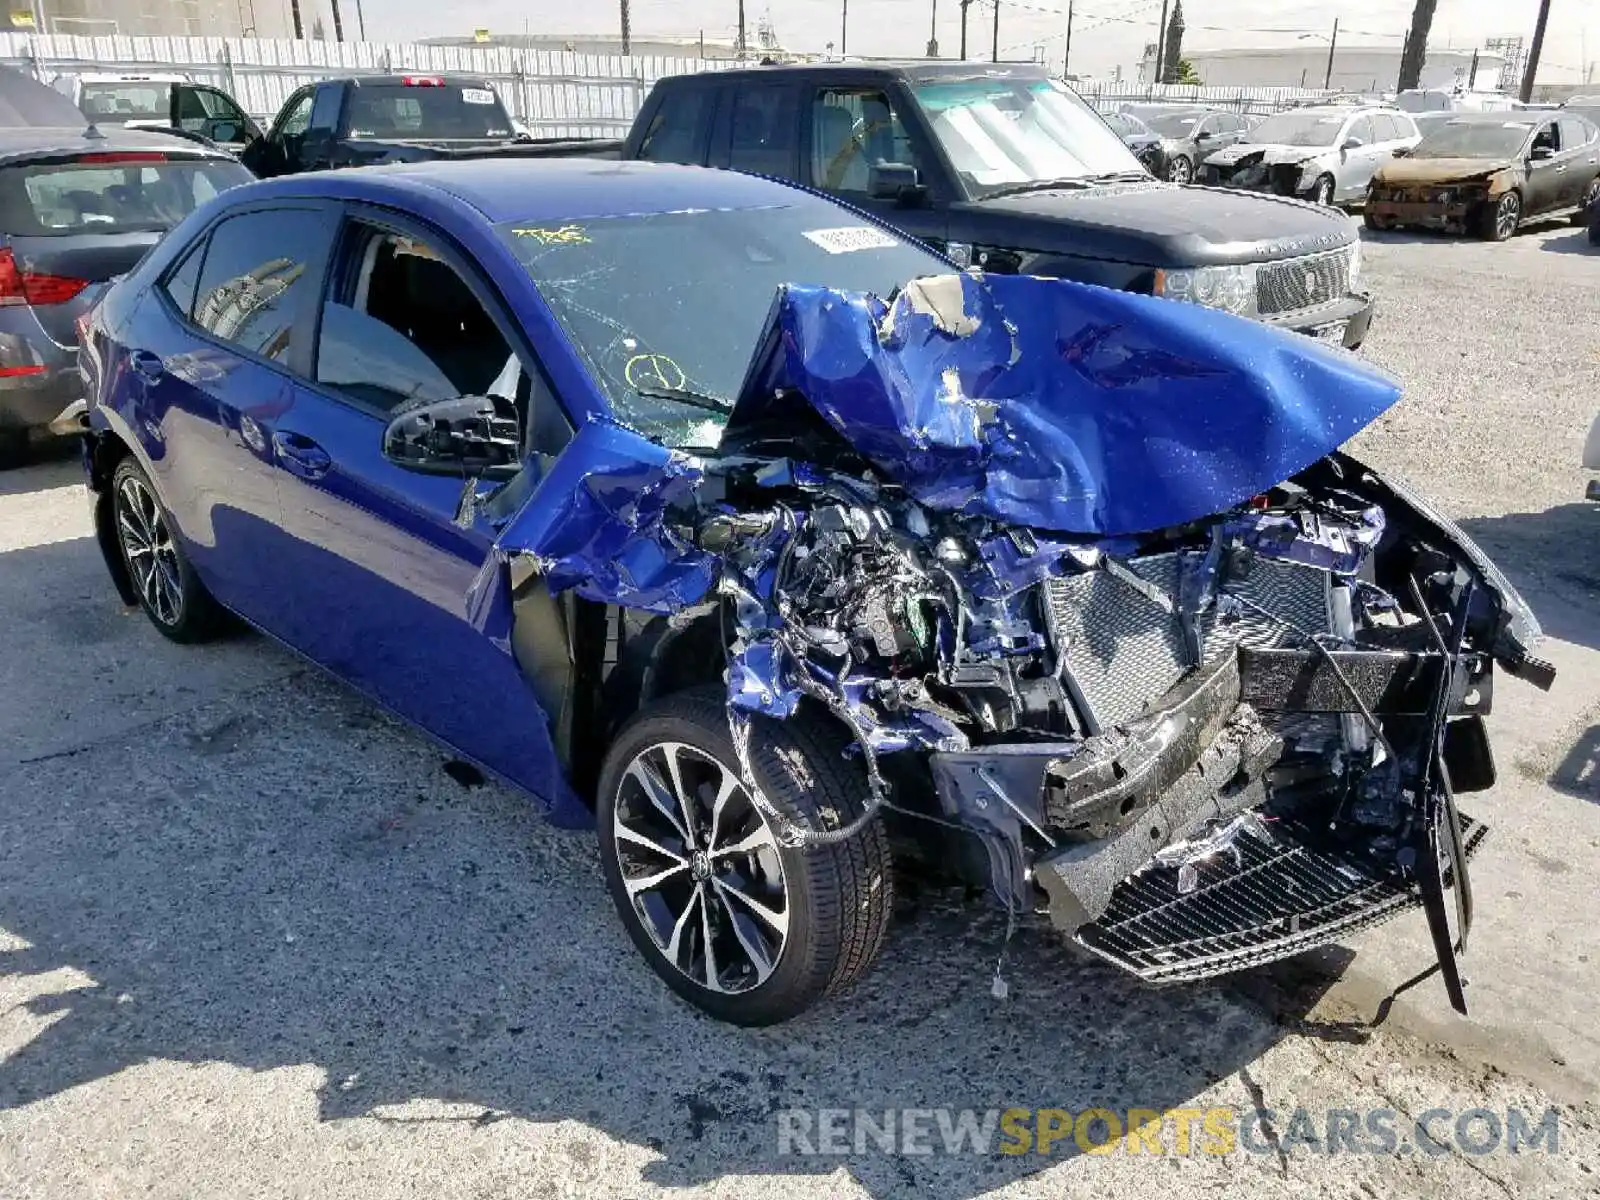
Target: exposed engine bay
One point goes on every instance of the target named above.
(1204, 693)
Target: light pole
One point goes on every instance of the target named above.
(844, 26)
(994, 54)
(1535, 51)
(1066, 57)
(933, 32)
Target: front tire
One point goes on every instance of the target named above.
(1589, 207)
(692, 865)
(1499, 220)
(170, 593)
(1322, 192)
(1180, 170)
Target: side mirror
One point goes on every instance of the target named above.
(893, 181)
(223, 131)
(1204, 135)
(1401, 151)
(1352, 143)
(468, 437)
(1541, 152)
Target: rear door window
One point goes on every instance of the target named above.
(677, 131)
(765, 131)
(259, 268)
(117, 103)
(1574, 133)
(110, 193)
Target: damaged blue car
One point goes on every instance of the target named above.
(722, 517)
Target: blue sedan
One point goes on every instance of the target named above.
(702, 508)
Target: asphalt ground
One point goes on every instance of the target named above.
(254, 941)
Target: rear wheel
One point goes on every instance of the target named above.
(1589, 209)
(170, 593)
(745, 928)
(13, 448)
(1499, 220)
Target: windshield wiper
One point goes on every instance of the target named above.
(1038, 185)
(1120, 176)
(694, 399)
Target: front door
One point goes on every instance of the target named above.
(848, 131)
(1547, 175)
(388, 580)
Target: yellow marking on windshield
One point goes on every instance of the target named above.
(654, 371)
(566, 235)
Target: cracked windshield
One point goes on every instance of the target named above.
(666, 309)
(1016, 134)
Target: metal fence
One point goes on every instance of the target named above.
(554, 94)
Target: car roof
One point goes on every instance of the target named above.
(131, 77)
(1510, 116)
(24, 141)
(912, 69)
(545, 189)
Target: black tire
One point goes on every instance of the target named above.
(1180, 170)
(1589, 207)
(1372, 222)
(1322, 191)
(1498, 221)
(170, 593)
(838, 898)
(13, 448)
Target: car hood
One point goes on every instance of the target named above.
(1270, 153)
(1159, 224)
(1441, 170)
(1056, 405)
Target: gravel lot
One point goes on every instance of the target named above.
(255, 942)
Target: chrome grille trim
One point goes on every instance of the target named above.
(1311, 281)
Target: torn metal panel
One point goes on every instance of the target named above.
(1069, 408)
(600, 522)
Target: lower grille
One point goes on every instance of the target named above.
(1297, 283)
(1123, 651)
(1283, 897)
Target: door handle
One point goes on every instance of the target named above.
(300, 455)
(148, 364)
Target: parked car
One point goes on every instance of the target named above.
(76, 211)
(1484, 173)
(1587, 107)
(1138, 137)
(161, 101)
(363, 120)
(1324, 154)
(702, 507)
(1006, 168)
(1190, 134)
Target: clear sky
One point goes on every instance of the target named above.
(1106, 33)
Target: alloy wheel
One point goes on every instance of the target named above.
(1507, 214)
(701, 867)
(1179, 170)
(1324, 191)
(1591, 196)
(148, 547)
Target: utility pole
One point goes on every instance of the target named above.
(933, 32)
(965, 4)
(1533, 54)
(738, 51)
(1161, 45)
(1066, 57)
(844, 26)
(361, 22)
(1327, 78)
(627, 30)
(1472, 73)
(294, 12)
(338, 25)
(994, 55)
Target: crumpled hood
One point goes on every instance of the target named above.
(1060, 406)
(1270, 154)
(1440, 170)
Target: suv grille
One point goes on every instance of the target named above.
(1297, 283)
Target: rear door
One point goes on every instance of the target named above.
(212, 353)
(1580, 155)
(385, 573)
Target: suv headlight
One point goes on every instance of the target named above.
(1232, 289)
(1355, 265)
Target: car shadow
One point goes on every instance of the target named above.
(1576, 242)
(286, 876)
(52, 462)
(1553, 557)
(1578, 772)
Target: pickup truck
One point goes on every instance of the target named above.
(1006, 168)
(166, 102)
(364, 120)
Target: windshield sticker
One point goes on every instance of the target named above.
(848, 238)
(566, 235)
(477, 96)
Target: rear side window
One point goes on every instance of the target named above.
(1574, 133)
(182, 282)
(426, 110)
(765, 131)
(115, 103)
(674, 133)
(257, 270)
(109, 193)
